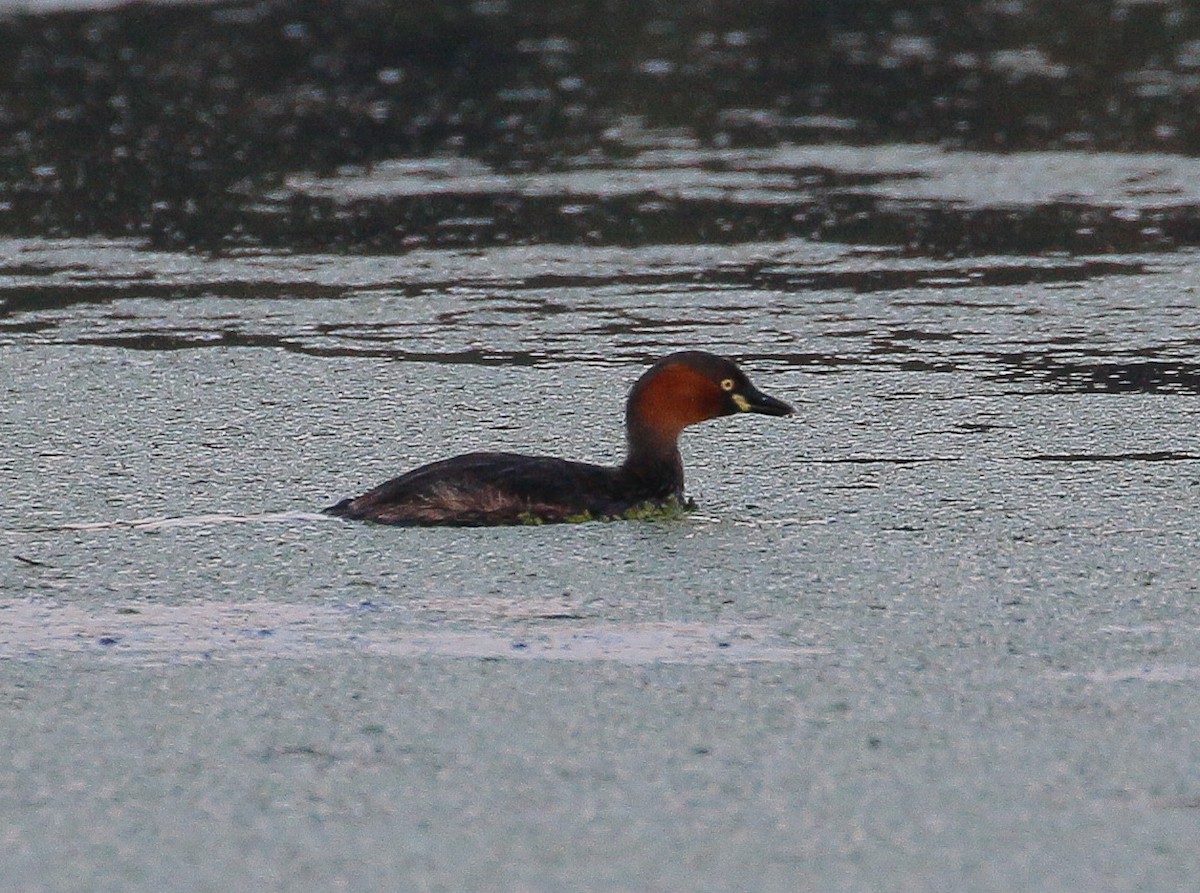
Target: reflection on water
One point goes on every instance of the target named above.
(1038, 323)
(1145, 377)
(185, 125)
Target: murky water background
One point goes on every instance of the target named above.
(941, 630)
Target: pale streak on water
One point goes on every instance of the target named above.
(156, 635)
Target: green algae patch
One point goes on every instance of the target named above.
(658, 511)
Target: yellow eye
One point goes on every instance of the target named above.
(727, 384)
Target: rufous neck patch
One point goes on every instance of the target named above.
(674, 398)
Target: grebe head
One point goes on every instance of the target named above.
(689, 387)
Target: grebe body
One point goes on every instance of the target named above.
(490, 488)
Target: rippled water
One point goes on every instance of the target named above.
(973, 540)
(938, 629)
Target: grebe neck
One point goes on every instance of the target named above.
(653, 458)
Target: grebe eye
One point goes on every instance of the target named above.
(726, 384)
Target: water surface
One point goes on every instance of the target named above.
(938, 630)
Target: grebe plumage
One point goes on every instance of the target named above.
(479, 489)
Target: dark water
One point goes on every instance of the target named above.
(179, 124)
(939, 631)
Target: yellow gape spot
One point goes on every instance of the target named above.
(726, 384)
(741, 402)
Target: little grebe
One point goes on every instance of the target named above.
(506, 488)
